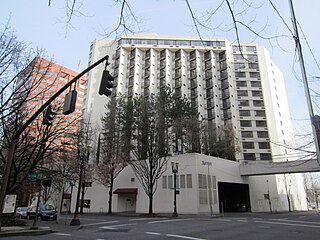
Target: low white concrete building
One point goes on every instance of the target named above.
(206, 185)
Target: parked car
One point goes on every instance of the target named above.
(45, 212)
(21, 212)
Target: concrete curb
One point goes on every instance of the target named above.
(10, 232)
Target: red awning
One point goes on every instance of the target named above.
(126, 191)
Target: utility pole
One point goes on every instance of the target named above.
(305, 80)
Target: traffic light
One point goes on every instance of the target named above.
(106, 83)
(70, 102)
(48, 116)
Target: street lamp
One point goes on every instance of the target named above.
(72, 185)
(83, 156)
(175, 167)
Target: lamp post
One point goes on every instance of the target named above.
(72, 185)
(175, 166)
(76, 221)
(83, 156)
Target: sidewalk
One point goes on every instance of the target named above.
(42, 227)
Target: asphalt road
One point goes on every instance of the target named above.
(246, 226)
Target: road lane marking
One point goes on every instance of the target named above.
(98, 223)
(242, 220)
(62, 234)
(184, 237)
(119, 225)
(153, 233)
(295, 221)
(170, 220)
(221, 220)
(288, 224)
(144, 219)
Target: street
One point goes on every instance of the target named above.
(241, 226)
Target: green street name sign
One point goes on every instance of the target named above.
(34, 176)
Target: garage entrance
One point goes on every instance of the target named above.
(234, 197)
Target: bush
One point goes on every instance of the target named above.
(11, 220)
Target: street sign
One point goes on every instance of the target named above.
(9, 203)
(34, 176)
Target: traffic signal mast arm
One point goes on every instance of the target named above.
(15, 137)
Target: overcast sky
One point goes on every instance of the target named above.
(46, 27)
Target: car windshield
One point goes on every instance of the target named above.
(23, 209)
(47, 207)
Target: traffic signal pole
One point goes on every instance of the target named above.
(14, 140)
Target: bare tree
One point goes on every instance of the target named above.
(150, 159)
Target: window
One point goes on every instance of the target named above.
(213, 184)
(203, 198)
(226, 103)
(224, 83)
(265, 156)
(264, 145)
(225, 93)
(262, 134)
(227, 114)
(249, 156)
(189, 181)
(164, 182)
(245, 123)
(170, 182)
(237, 48)
(254, 74)
(202, 181)
(243, 103)
(252, 57)
(241, 83)
(258, 103)
(254, 66)
(256, 93)
(261, 124)
(248, 145)
(182, 181)
(240, 74)
(255, 84)
(239, 65)
(251, 48)
(244, 113)
(247, 134)
(207, 64)
(260, 113)
(242, 93)
(237, 57)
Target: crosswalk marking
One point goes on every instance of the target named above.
(184, 237)
(98, 223)
(153, 233)
(288, 224)
(170, 220)
(116, 226)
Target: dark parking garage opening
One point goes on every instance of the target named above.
(233, 197)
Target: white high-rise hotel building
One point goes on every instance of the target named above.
(227, 83)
